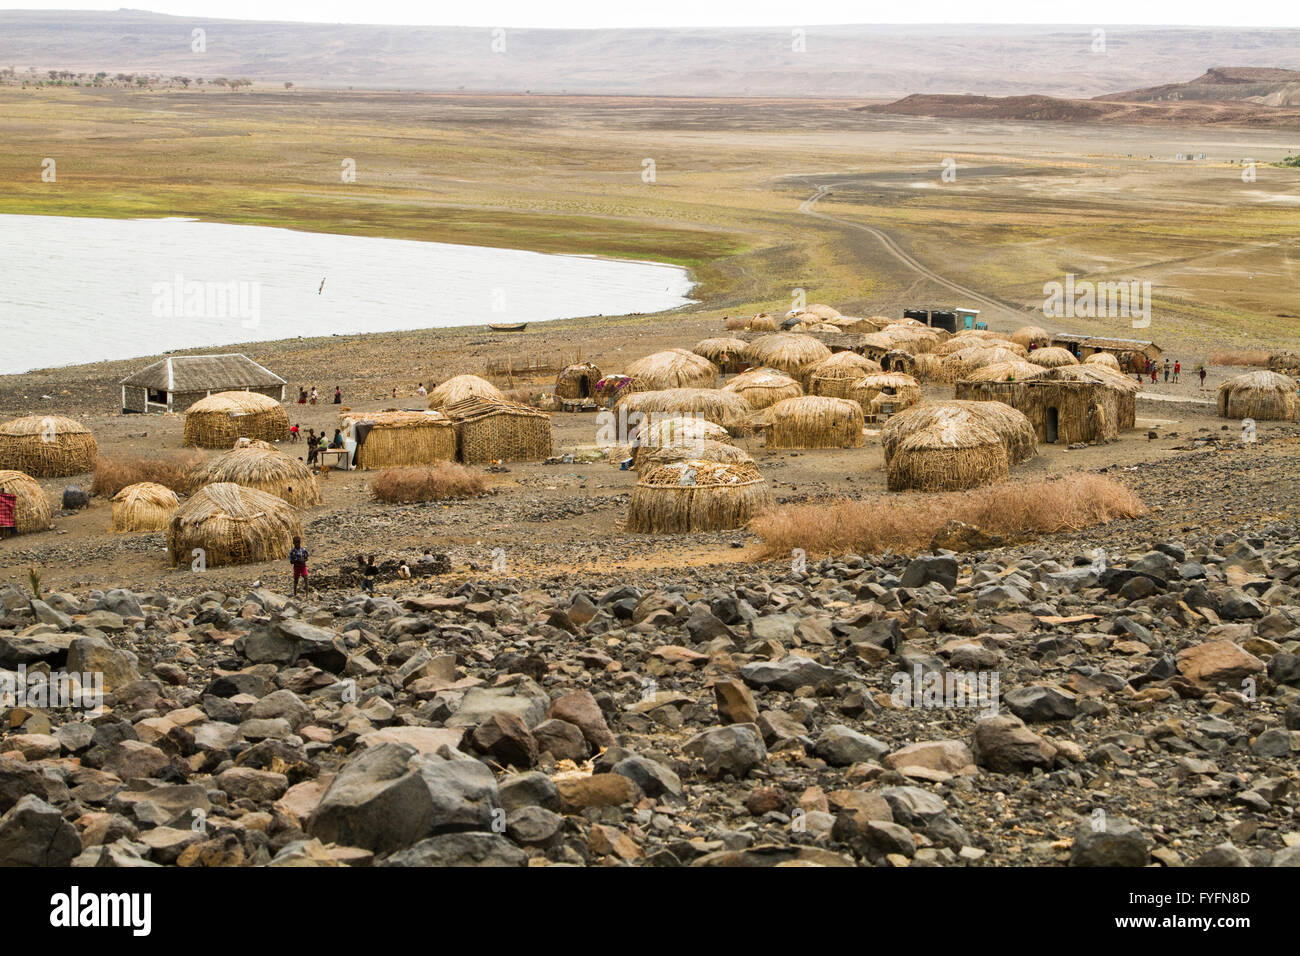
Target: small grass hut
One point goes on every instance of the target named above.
(763, 387)
(47, 446)
(232, 524)
(833, 376)
(396, 439)
(787, 352)
(951, 454)
(1052, 357)
(726, 353)
(1105, 360)
(1011, 426)
(1263, 396)
(461, 387)
(716, 405)
(900, 391)
(31, 507)
(705, 449)
(674, 368)
(219, 420)
(696, 495)
(1028, 336)
(900, 361)
(763, 322)
(675, 433)
(815, 422)
(577, 382)
(270, 471)
(488, 431)
(144, 506)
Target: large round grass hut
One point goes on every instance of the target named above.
(261, 469)
(833, 376)
(763, 387)
(726, 353)
(900, 390)
(787, 352)
(1011, 426)
(815, 422)
(461, 387)
(951, 454)
(724, 408)
(220, 419)
(144, 506)
(231, 524)
(396, 439)
(577, 382)
(697, 495)
(47, 446)
(1031, 335)
(706, 449)
(1125, 389)
(1053, 357)
(1105, 360)
(673, 368)
(488, 431)
(31, 507)
(1262, 396)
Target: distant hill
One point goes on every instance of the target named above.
(1259, 85)
(868, 62)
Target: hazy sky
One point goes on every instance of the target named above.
(669, 13)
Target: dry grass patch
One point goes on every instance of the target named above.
(906, 523)
(431, 483)
(1246, 357)
(170, 469)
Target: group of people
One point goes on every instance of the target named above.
(311, 397)
(316, 443)
(1172, 371)
(299, 555)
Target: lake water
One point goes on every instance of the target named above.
(85, 290)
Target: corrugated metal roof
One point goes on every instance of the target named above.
(204, 373)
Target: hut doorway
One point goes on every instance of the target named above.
(1053, 421)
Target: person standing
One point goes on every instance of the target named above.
(1167, 370)
(313, 448)
(1202, 371)
(298, 556)
(338, 395)
(302, 396)
(314, 395)
(422, 391)
(1178, 367)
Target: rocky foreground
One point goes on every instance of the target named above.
(1132, 710)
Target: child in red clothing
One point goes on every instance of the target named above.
(298, 561)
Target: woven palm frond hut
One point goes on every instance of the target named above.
(960, 364)
(144, 506)
(232, 524)
(1011, 426)
(269, 471)
(716, 405)
(787, 352)
(218, 420)
(1105, 360)
(1061, 411)
(31, 507)
(1028, 335)
(763, 387)
(1263, 396)
(1125, 387)
(47, 446)
(461, 387)
(815, 422)
(705, 449)
(696, 495)
(577, 381)
(500, 431)
(899, 390)
(395, 439)
(1052, 357)
(951, 454)
(726, 353)
(1016, 371)
(834, 375)
(673, 368)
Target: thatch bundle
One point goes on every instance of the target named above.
(763, 323)
(461, 387)
(253, 443)
(696, 495)
(144, 506)
(31, 507)
(1263, 396)
(834, 375)
(853, 323)
(1052, 357)
(397, 439)
(218, 420)
(786, 352)
(674, 368)
(1012, 427)
(763, 387)
(47, 446)
(822, 312)
(950, 454)
(726, 353)
(499, 431)
(893, 388)
(577, 381)
(1015, 371)
(232, 525)
(716, 405)
(815, 422)
(1104, 359)
(1028, 335)
(705, 449)
(271, 472)
(675, 433)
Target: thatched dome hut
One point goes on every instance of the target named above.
(577, 381)
(822, 312)
(951, 454)
(675, 432)
(1263, 396)
(1012, 427)
(1052, 357)
(726, 353)
(232, 525)
(1028, 335)
(1014, 371)
(852, 323)
(763, 322)
(913, 338)
(900, 361)
(396, 439)
(716, 405)
(787, 352)
(488, 431)
(969, 339)
(815, 422)
(705, 449)
(144, 506)
(1105, 360)
(219, 420)
(696, 495)
(674, 368)
(763, 387)
(834, 375)
(47, 446)
(269, 471)
(31, 507)
(899, 390)
(735, 323)
(461, 387)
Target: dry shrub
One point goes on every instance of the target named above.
(169, 469)
(427, 483)
(1240, 357)
(906, 523)
(534, 395)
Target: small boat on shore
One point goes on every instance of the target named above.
(516, 327)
